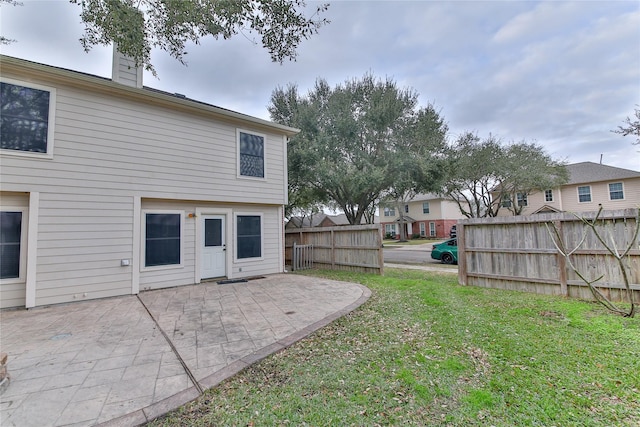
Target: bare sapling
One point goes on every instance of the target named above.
(623, 258)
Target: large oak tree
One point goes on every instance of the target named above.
(485, 176)
(359, 140)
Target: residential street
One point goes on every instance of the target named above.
(417, 255)
(412, 254)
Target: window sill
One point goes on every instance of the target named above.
(12, 281)
(242, 260)
(162, 267)
(17, 153)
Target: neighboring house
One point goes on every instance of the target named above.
(590, 185)
(109, 188)
(305, 221)
(317, 220)
(426, 215)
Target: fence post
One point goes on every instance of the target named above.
(462, 257)
(562, 262)
(294, 258)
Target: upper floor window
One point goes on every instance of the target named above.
(406, 208)
(425, 208)
(522, 199)
(389, 211)
(506, 201)
(26, 113)
(616, 191)
(251, 154)
(548, 196)
(584, 193)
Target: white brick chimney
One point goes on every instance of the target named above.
(125, 70)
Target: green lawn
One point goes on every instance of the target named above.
(426, 351)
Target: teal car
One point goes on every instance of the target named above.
(447, 251)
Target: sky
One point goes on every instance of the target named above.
(562, 74)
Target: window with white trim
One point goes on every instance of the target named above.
(162, 237)
(522, 199)
(423, 229)
(425, 207)
(390, 229)
(548, 195)
(584, 193)
(506, 201)
(251, 160)
(389, 211)
(432, 229)
(248, 236)
(616, 192)
(406, 208)
(27, 118)
(10, 244)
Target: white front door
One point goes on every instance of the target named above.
(214, 258)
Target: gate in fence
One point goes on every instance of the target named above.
(302, 257)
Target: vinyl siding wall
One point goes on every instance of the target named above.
(82, 237)
(534, 202)
(600, 194)
(110, 150)
(566, 198)
(450, 210)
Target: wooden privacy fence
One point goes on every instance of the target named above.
(349, 247)
(518, 253)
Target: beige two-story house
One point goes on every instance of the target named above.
(590, 186)
(110, 188)
(425, 215)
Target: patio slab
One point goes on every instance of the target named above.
(126, 360)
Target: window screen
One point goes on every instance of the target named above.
(162, 239)
(584, 194)
(251, 155)
(249, 231)
(24, 118)
(615, 191)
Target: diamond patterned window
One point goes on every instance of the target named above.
(251, 155)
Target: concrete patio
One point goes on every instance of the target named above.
(123, 361)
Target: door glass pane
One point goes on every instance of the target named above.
(213, 232)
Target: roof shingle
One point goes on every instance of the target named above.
(592, 172)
